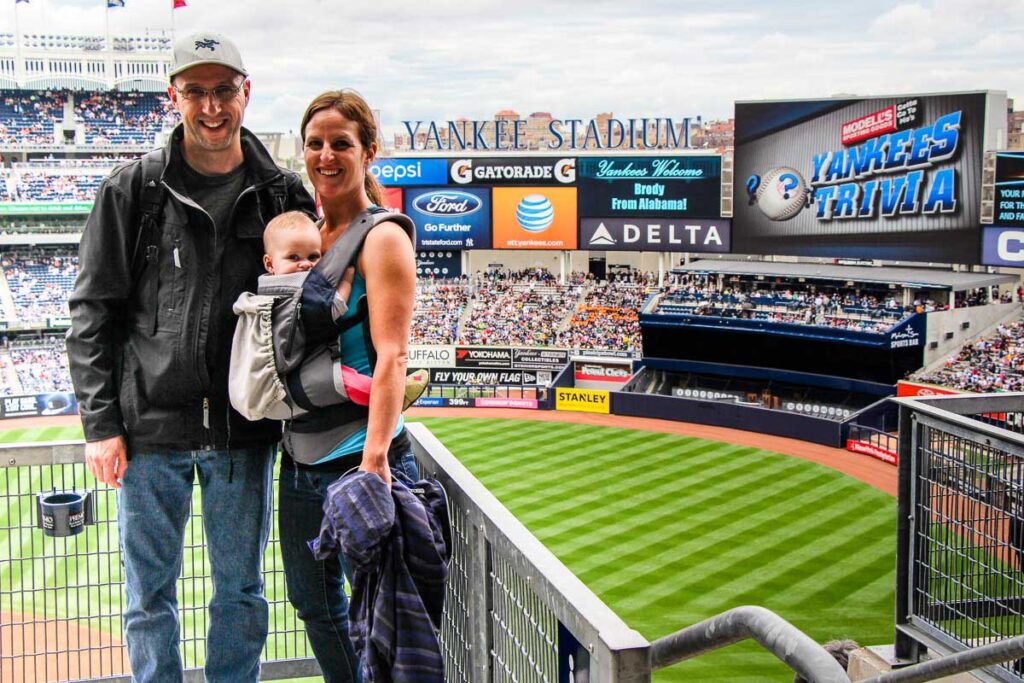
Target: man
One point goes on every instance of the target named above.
(171, 242)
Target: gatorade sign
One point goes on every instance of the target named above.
(582, 400)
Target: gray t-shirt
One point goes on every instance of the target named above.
(217, 195)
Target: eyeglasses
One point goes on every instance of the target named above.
(222, 93)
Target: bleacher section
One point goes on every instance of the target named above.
(28, 117)
(39, 281)
(41, 367)
(994, 363)
(109, 118)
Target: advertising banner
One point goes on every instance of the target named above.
(393, 172)
(36, 405)
(909, 389)
(483, 357)
(534, 217)
(438, 263)
(43, 208)
(655, 234)
(450, 218)
(908, 334)
(393, 201)
(513, 171)
(874, 450)
(602, 372)
(875, 178)
(1002, 246)
(421, 356)
(522, 403)
(483, 377)
(539, 359)
(1010, 189)
(680, 186)
(582, 400)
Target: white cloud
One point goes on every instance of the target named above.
(439, 59)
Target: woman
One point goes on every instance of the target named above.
(339, 137)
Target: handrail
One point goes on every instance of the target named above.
(788, 643)
(959, 662)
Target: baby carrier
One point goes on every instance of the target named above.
(285, 358)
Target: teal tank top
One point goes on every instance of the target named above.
(356, 355)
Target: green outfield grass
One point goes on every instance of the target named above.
(669, 530)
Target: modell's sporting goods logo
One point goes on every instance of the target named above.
(449, 203)
(535, 213)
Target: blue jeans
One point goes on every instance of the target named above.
(152, 509)
(317, 588)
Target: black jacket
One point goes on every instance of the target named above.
(142, 359)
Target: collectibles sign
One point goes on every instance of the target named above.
(450, 218)
(879, 178)
(650, 186)
(510, 135)
(655, 234)
(513, 171)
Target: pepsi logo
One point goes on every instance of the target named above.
(447, 203)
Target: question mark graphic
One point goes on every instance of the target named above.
(789, 182)
(752, 183)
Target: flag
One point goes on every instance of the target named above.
(115, 3)
(17, 2)
(179, 4)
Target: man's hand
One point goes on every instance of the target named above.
(107, 460)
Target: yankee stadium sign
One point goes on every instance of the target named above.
(510, 135)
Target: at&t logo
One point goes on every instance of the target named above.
(535, 213)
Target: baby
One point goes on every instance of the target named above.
(291, 242)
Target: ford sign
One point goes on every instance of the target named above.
(448, 203)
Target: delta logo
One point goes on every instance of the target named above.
(447, 204)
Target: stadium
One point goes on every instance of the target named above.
(688, 354)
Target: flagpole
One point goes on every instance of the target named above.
(106, 17)
(17, 42)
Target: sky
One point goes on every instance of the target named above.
(435, 60)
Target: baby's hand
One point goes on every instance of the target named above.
(345, 286)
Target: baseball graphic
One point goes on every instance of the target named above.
(781, 194)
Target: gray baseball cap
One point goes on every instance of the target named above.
(206, 48)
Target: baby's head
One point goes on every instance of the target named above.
(291, 242)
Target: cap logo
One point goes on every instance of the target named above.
(210, 44)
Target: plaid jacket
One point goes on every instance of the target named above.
(398, 544)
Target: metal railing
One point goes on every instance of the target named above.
(513, 611)
(960, 552)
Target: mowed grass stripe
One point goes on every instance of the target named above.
(723, 519)
(601, 487)
(582, 456)
(37, 434)
(645, 504)
(796, 511)
(777, 565)
(710, 555)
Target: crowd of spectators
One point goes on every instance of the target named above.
(27, 117)
(994, 363)
(38, 186)
(39, 282)
(115, 117)
(41, 366)
(439, 306)
(109, 117)
(607, 317)
(519, 308)
(697, 294)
